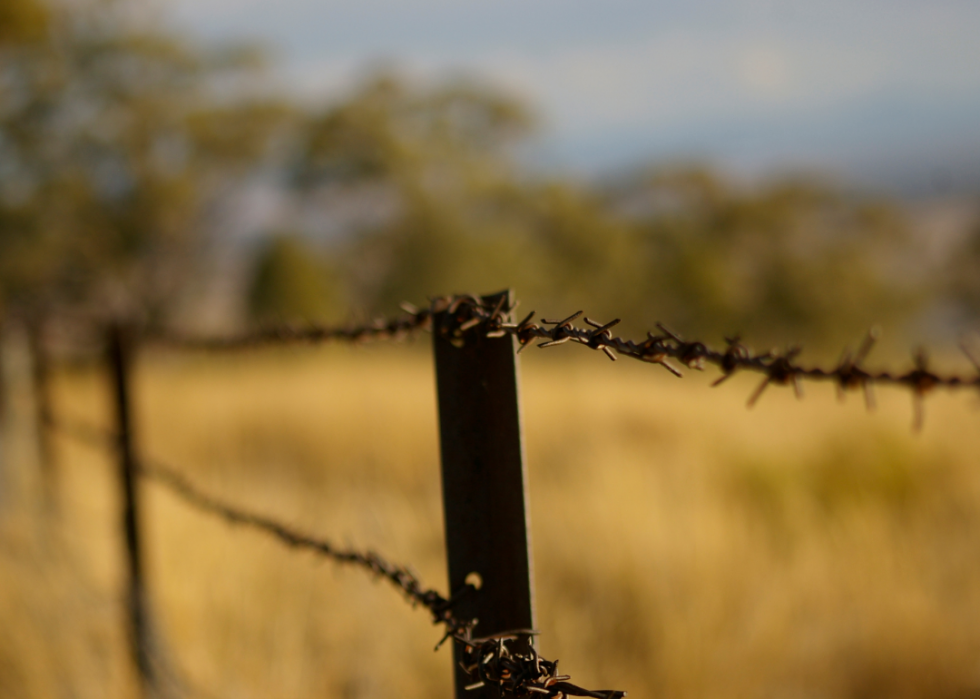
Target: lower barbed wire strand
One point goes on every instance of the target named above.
(524, 673)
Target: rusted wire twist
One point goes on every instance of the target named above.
(493, 660)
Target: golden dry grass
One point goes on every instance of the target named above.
(683, 545)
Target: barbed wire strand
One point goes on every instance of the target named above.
(462, 314)
(491, 660)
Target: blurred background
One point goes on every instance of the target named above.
(790, 172)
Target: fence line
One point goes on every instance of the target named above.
(489, 660)
(119, 364)
(482, 462)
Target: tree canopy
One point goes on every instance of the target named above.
(114, 143)
(120, 142)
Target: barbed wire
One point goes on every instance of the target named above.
(458, 317)
(493, 660)
(381, 329)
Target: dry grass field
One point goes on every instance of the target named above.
(684, 546)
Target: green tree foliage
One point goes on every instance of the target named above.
(583, 255)
(21, 22)
(788, 259)
(386, 132)
(437, 163)
(118, 142)
(291, 282)
(114, 144)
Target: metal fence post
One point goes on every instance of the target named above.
(119, 359)
(484, 483)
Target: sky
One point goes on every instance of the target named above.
(883, 90)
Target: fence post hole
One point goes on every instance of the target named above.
(484, 483)
(42, 406)
(119, 358)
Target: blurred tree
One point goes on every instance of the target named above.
(292, 282)
(962, 284)
(584, 256)
(22, 21)
(785, 260)
(389, 133)
(448, 210)
(436, 168)
(116, 143)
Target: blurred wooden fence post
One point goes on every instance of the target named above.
(484, 483)
(43, 415)
(119, 359)
(4, 459)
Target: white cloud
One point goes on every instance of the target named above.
(765, 70)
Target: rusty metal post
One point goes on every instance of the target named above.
(484, 483)
(119, 358)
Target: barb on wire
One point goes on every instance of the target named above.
(493, 660)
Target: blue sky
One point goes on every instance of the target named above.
(851, 85)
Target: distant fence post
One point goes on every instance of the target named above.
(4, 459)
(119, 359)
(484, 483)
(43, 414)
